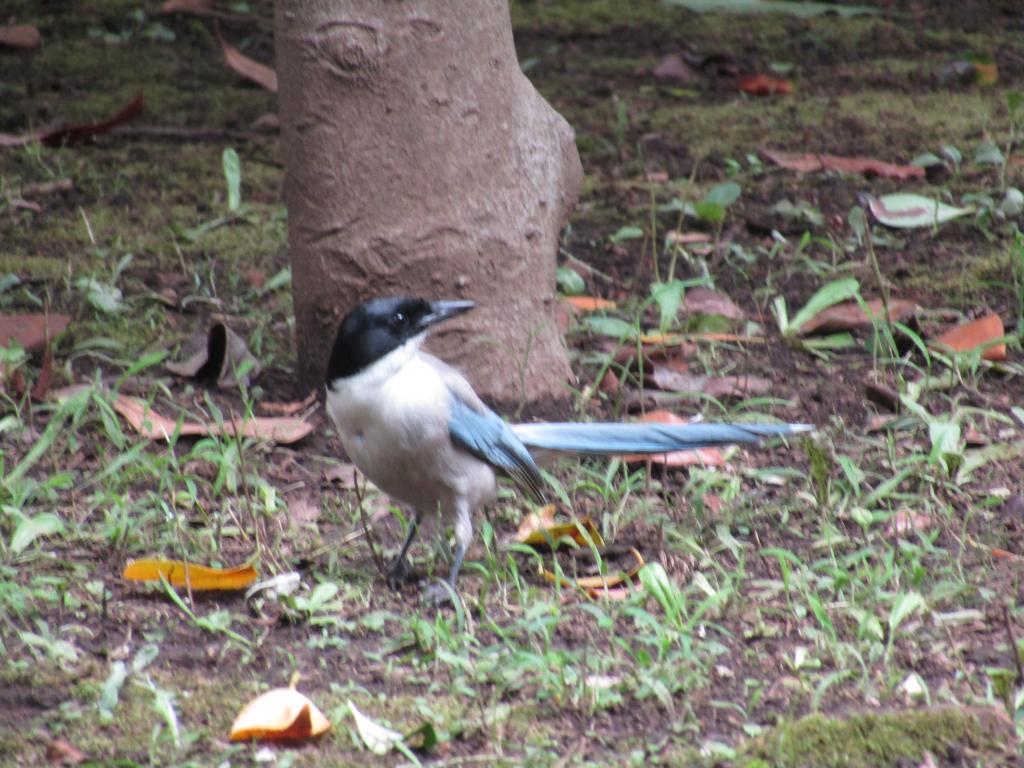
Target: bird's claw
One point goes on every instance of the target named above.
(398, 575)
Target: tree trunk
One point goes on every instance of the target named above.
(420, 160)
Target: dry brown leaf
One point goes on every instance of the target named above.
(217, 355)
(345, 475)
(260, 74)
(687, 238)
(287, 409)
(877, 422)
(977, 333)
(882, 395)
(75, 134)
(23, 36)
(151, 424)
(31, 331)
(673, 68)
(681, 339)
(195, 7)
(303, 510)
(703, 457)
(588, 583)
(616, 594)
(809, 162)
(42, 386)
(588, 303)
(61, 752)
(765, 85)
(848, 316)
(197, 577)
(669, 380)
(1003, 554)
(255, 277)
(282, 714)
(907, 521)
(46, 188)
(974, 438)
(707, 301)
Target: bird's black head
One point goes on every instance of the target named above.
(379, 326)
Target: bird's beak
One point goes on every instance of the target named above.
(443, 310)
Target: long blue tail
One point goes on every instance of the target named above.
(601, 439)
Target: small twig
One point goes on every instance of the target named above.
(593, 271)
(1014, 650)
(374, 551)
(88, 226)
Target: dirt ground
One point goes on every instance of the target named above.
(850, 599)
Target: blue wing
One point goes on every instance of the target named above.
(487, 437)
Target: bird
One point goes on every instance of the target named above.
(414, 426)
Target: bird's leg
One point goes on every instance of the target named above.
(441, 593)
(400, 569)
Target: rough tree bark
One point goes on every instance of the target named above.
(420, 160)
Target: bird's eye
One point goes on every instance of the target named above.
(398, 319)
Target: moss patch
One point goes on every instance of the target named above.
(870, 740)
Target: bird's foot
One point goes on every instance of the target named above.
(398, 575)
(440, 593)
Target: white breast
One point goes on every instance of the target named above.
(392, 419)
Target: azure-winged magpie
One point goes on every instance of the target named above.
(415, 427)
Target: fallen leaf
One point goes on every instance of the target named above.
(964, 72)
(707, 301)
(540, 529)
(282, 714)
(42, 386)
(303, 510)
(681, 339)
(687, 238)
(672, 67)
(217, 355)
(588, 303)
(975, 439)
(275, 587)
(31, 331)
(151, 424)
(1003, 554)
(670, 380)
(61, 752)
(377, 738)
(255, 277)
(849, 316)
(46, 188)
(977, 333)
(23, 36)
(260, 74)
(599, 582)
(908, 211)
(616, 594)
(882, 395)
(195, 7)
(809, 162)
(75, 134)
(609, 383)
(196, 577)
(704, 457)
(764, 85)
(345, 475)
(287, 409)
(907, 521)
